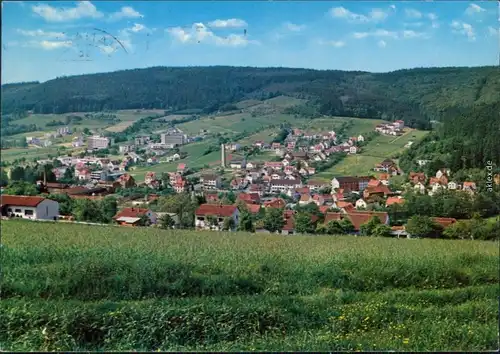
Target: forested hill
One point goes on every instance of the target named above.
(416, 95)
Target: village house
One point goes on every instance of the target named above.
(174, 157)
(257, 188)
(275, 203)
(210, 181)
(316, 185)
(378, 191)
(238, 183)
(126, 181)
(360, 204)
(180, 185)
(419, 187)
(83, 174)
(249, 198)
(357, 218)
(416, 177)
(151, 181)
(385, 165)
(444, 172)
(132, 216)
(469, 187)
(182, 168)
(34, 208)
(123, 149)
(217, 213)
(238, 164)
(351, 183)
(282, 185)
(452, 185)
(394, 200)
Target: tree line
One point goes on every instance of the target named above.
(416, 96)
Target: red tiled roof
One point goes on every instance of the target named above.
(359, 218)
(253, 208)
(20, 200)
(374, 183)
(323, 209)
(249, 197)
(394, 200)
(305, 197)
(181, 166)
(275, 203)
(131, 213)
(469, 185)
(444, 222)
(217, 210)
(342, 204)
(332, 216)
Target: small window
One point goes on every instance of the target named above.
(17, 210)
(10, 209)
(28, 212)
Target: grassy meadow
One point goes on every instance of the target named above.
(79, 287)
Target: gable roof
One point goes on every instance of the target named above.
(131, 213)
(359, 218)
(444, 222)
(216, 210)
(253, 208)
(20, 200)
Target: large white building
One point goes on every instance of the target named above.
(35, 208)
(97, 142)
(173, 139)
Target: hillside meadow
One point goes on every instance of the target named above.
(81, 287)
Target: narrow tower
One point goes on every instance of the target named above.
(223, 155)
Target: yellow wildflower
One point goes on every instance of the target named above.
(406, 340)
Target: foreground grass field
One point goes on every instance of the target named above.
(78, 287)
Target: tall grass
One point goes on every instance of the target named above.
(103, 288)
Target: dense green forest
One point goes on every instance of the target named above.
(466, 138)
(417, 96)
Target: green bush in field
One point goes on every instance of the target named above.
(80, 287)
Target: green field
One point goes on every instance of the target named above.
(42, 119)
(234, 123)
(378, 149)
(78, 287)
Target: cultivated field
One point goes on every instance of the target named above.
(78, 287)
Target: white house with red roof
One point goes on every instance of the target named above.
(216, 212)
(131, 216)
(34, 208)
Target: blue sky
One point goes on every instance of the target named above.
(44, 40)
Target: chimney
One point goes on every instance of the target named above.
(44, 177)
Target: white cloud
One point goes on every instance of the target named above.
(413, 24)
(199, 33)
(336, 44)
(42, 33)
(125, 12)
(48, 45)
(375, 15)
(376, 33)
(464, 29)
(83, 9)
(474, 9)
(432, 16)
(412, 13)
(413, 34)
(293, 27)
(382, 44)
(230, 23)
(493, 31)
(381, 33)
(393, 7)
